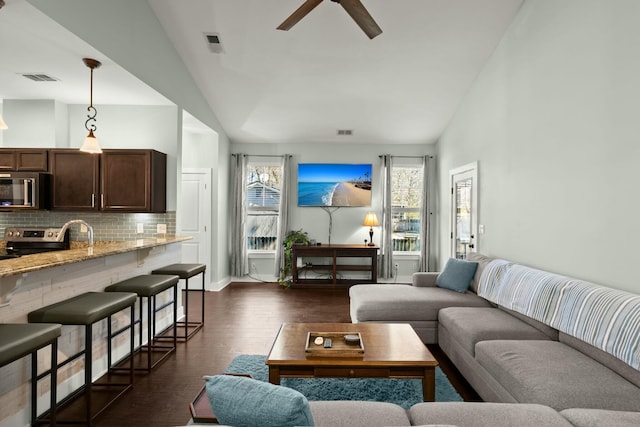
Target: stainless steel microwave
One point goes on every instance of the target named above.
(24, 190)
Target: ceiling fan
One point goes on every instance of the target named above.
(354, 8)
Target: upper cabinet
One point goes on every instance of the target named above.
(75, 180)
(114, 181)
(24, 159)
(133, 180)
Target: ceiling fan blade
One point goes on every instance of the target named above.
(359, 14)
(300, 13)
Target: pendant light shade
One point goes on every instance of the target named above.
(3, 125)
(91, 144)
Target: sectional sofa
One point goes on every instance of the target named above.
(522, 335)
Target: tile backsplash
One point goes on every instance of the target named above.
(106, 226)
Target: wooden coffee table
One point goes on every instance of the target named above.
(391, 350)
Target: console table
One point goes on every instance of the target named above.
(333, 262)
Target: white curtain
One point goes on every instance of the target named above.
(239, 260)
(385, 269)
(425, 217)
(283, 220)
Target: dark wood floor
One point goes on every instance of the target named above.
(241, 319)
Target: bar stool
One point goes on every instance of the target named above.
(86, 310)
(20, 339)
(185, 272)
(149, 286)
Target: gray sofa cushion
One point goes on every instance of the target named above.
(603, 357)
(405, 302)
(554, 374)
(470, 325)
(600, 417)
(485, 414)
(358, 413)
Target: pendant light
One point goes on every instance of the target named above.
(3, 125)
(91, 144)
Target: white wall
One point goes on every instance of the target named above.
(552, 121)
(201, 149)
(33, 123)
(347, 222)
(2, 131)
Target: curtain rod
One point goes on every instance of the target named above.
(409, 157)
(263, 155)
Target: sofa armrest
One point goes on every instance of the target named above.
(424, 279)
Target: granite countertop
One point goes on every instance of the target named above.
(80, 251)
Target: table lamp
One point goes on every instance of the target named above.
(371, 220)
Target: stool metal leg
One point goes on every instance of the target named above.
(88, 364)
(34, 387)
(150, 328)
(132, 343)
(175, 316)
(186, 309)
(202, 298)
(53, 379)
(196, 324)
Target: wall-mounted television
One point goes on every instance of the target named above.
(334, 184)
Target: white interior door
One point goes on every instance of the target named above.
(464, 209)
(195, 218)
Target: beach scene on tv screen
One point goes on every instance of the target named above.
(334, 184)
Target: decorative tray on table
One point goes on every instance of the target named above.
(343, 344)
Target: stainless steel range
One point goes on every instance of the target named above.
(33, 240)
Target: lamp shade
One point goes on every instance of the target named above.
(91, 145)
(3, 125)
(371, 220)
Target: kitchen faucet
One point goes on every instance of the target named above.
(76, 221)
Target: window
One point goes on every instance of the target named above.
(406, 200)
(264, 180)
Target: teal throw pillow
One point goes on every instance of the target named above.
(457, 275)
(241, 401)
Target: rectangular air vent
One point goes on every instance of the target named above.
(346, 132)
(39, 77)
(213, 41)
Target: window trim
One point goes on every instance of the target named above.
(256, 210)
(407, 163)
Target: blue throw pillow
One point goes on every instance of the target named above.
(241, 401)
(457, 275)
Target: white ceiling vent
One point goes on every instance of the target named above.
(39, 77)
(345, 132)
(213, 41)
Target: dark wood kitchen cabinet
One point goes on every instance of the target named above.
(75, 180)
(133, 180)
(24, 159)
(114, 181)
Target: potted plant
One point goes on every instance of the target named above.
(293, 237)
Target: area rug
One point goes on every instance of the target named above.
(405, 393)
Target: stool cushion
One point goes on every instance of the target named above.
(145, 285)
(83, 309)
(185, 271)
(19, 339)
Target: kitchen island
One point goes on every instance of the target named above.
(80, 251)
(33, 281)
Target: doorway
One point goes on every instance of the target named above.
(464, 210)
(195, 218)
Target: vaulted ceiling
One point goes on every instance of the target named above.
(301, 85)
